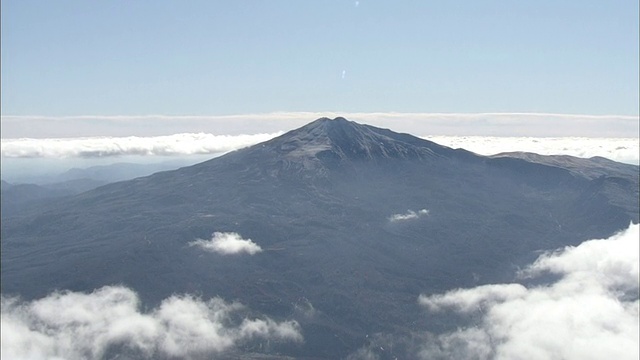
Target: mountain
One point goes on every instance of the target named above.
(354, 222)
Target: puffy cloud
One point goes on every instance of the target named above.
(470, 344)
(69, 325)
(467, 300)
(227, 244)
(613, 263)
(409, 215)
(97, 147)
(590, 312)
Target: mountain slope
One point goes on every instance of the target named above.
(354, 222)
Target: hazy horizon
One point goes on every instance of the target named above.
(39, 160)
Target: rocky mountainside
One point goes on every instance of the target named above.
(354, 223)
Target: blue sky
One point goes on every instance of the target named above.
(65, 58)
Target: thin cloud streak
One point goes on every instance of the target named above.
(409, 215)
(453, 124)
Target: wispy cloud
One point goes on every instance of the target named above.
(469, 300)
(455, 124)
(73, 326)
(227, 244)
(409, 215)
(591, 312)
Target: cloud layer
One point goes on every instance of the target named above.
(178, 144)
(619, 149)
(457, 124)
(72, 326)
(591, 312)
(227, 244)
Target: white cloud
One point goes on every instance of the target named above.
(591, 312)
(626, 150)
(467, 300)
(623, 149)
(612, 263)
(178, 144)
(71, 326)
(409, 215)
(227, 244)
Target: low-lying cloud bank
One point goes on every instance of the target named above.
(227, 244)
(590, 312)
(625, 150)
(409, 215)
(71, 326)
(97, 147)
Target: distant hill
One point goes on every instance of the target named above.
(118, 171)
(353, 220)
(16, 197)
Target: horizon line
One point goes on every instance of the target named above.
(317, 113)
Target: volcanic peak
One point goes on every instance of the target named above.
(342, 139)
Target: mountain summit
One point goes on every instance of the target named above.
(348, 223)
(337, 146)
(346, 140)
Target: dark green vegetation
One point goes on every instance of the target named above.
(318, 200)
